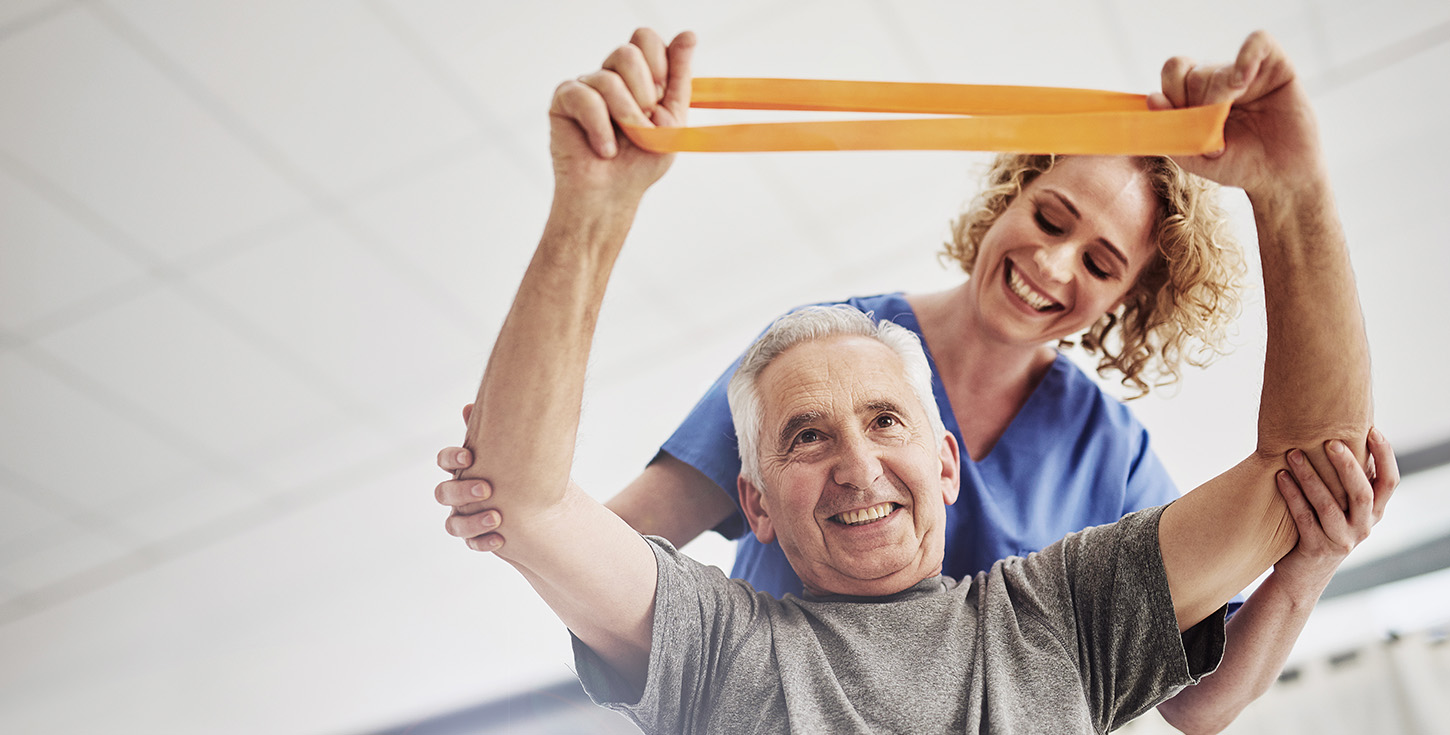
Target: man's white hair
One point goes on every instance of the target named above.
(807, 325)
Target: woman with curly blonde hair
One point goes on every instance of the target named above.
(1179, 307)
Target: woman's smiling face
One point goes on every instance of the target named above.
(1066, 251)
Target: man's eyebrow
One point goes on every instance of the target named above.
(1066, 203)
(882, 405)
(794, 424)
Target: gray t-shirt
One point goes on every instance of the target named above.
(1080, 637)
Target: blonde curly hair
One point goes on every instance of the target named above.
(1183, 302)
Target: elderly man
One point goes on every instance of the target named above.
(846, 466)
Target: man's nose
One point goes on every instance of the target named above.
(857, 466)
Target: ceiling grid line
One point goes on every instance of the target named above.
(489, 125)
(216, 531)
(167, 275)
(34, 18)
(269, 155)
(1387, 56)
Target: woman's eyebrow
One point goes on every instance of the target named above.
(1067, 204)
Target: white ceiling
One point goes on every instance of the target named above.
(253, 255)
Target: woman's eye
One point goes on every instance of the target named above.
(1093, 268)
(1045, 225)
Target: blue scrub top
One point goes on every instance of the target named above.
(1073, 457)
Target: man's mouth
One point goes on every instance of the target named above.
(1034, 298)
(865, 515)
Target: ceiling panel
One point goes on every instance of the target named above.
(51, 260)
(161, 358)
(91, 116)
(33, 442)
(322, 84)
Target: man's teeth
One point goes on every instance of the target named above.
(1020, 287)
(865, 515)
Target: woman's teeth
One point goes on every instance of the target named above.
(1026, 292)
(865, 515)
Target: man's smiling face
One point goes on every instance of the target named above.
(856, 485)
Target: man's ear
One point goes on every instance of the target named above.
(753, 503)
(951, 468)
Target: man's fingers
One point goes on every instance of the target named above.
(459, 493)
(618, 97)
(656, 56)
(628, 62)
(677, 86)
(1175, 79)
(1256, 48)
(582, 103)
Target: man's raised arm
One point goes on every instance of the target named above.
(587, 564)
(1217, 539)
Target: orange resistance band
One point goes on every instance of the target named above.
(984, 118)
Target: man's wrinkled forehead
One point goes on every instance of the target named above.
(831, 379)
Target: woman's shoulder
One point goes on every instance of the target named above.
(1068, 390)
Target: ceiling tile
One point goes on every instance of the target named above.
(470, 225)
(181, 505)
(102, 124)
(54, 562)
(822, 40)
(51, 260)
(24, 12)
(1354, 30)
(1154, 32)
(1012, 43)
(496, 50)
(23, 522)
(336, 307)
(189, 376)
(322, 82)
(38, 446)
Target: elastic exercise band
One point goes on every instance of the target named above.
(986, 118)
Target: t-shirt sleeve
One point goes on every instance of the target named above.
(699, 619)
(706, 441)
(1119, 616)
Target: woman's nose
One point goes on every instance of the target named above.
(1055, 262)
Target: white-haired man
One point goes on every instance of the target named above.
(846, 466)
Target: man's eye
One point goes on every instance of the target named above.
(1045, 225)
(809, 436)
(886, 421)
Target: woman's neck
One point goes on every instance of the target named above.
(988, 380)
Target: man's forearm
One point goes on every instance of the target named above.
(1317, 371)
(525, 419)
(1316, 388)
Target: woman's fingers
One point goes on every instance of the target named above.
(1386, 471)
(452, 459)
(1331, 514)
(467, 526)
